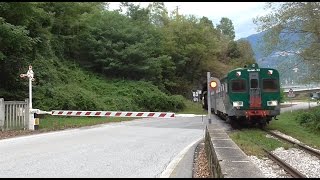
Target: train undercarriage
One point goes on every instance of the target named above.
(249, 118)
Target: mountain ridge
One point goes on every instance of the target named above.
(291, 67)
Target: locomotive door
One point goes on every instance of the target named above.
(254, 90)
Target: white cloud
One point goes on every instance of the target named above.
(240, 13)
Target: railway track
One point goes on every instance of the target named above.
(289, 169)
(301, 146)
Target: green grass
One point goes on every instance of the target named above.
(288, 125)
(193, 108)
(252, 140)
(52, 123)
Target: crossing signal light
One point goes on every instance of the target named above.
(213, 84)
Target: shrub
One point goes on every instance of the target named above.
(310, 119)
(76, 90)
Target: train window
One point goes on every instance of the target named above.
(254, 83)
(270, 85)
(238, 85)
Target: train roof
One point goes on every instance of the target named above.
(251, 66)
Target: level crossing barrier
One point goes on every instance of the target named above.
(113, 113)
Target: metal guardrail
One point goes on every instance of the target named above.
(301, 89)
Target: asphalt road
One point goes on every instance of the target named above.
(148, 147)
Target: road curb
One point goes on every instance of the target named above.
(172, 166)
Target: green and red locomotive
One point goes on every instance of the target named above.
(249, 95)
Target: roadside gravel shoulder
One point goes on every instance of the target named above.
(200, 164)
(17, 133)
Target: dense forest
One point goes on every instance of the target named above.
(87, 57)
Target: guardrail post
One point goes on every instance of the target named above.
(26, 115)
(2, 115)
(29, 116)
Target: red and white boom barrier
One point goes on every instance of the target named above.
(113, 114)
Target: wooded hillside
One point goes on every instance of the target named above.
(88, 57)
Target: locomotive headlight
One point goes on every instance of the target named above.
(272, 103)
(237, 103)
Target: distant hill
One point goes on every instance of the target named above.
(282, 61)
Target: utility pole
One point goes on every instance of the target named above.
(209, 97)
(177, 11)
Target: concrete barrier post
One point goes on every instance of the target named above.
(27, 116)
(2, 115)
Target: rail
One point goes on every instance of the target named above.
(293, 172)
(301, 146)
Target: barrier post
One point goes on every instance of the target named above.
(2, 111)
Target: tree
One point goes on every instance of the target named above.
(67, 24)
(192, 44)
(206, 21)
(135, 12)
(226, 28)
(292, 27)
(246, 51)
(158, 13)
(19, 37)
(245, 55)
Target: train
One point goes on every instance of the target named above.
(246, 96)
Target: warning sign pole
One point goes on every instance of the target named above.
(291, 95)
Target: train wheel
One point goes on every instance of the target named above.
(262, 124)
(233, 122)
(219, 115)
(228, 119)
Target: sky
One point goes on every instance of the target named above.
(240, 13)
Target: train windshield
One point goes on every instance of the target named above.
(270, 85)
(238, 85)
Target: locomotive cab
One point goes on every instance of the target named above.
(260, 101)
